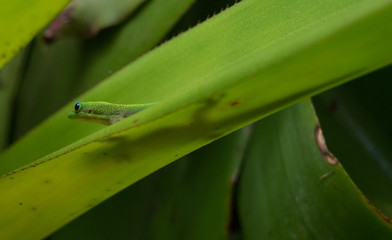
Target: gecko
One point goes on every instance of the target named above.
(104, 112)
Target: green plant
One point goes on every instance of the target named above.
(249, 61)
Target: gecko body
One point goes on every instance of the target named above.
(104, 112)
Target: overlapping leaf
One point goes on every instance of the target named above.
(234, 69)
(20, 21)
(291, 179)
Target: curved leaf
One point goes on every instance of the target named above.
(319, 57)
(227, 72)
(21, 20)
(187, 199)
(10, 77)
(358, 128)
(291, 180)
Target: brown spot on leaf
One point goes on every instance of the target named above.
(320, 140)
(135, 121)
(326, 175)
(234, 103)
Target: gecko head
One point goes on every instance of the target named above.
(85, 111)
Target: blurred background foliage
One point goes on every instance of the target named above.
(222, 190)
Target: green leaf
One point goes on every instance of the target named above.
(236, 68)
(10, 77)
(48, 77)
(147, 27)
(357, 126)
(21, 20)
(193, 194)
(291, 180)
(337, 50)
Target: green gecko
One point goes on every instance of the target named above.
(104, 112)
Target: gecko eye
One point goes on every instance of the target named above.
(77, 106)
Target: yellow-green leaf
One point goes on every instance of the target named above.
(243, 64)
(21, 20)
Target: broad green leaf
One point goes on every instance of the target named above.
(291, 182)
(108, 54)
(10, 77)
(357, 126)
(188, 199)
(234, 69)
(213, 57)
(21, 20)
(48, 80)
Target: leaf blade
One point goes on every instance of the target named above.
(200, 111)
(287, 178)
(16, 30)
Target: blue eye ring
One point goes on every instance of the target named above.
(77, 106)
